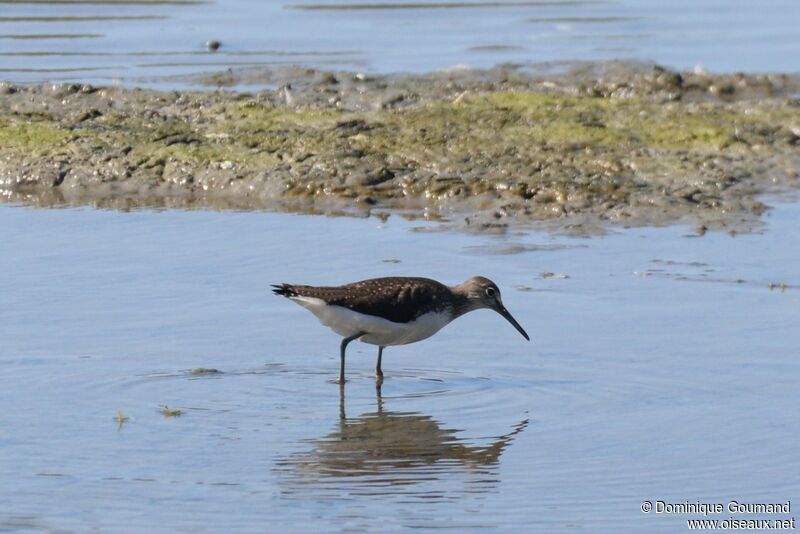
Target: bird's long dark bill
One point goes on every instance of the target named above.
(510, 318)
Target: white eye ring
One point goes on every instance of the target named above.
(490, 291)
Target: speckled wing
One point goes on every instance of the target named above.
(396, 299)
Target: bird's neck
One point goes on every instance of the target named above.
(461, 303)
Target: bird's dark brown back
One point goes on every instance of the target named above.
(398, 299)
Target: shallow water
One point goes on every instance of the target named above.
(662, 366)
(163, 43)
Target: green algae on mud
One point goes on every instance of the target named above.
(485, 149)
(166, 411)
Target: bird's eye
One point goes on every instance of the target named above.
(490, 292)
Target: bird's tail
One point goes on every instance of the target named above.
(284, 290)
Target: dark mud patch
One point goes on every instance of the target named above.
(571, 149)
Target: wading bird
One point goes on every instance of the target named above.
(395, 310)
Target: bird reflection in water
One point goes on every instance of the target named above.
(387, 449)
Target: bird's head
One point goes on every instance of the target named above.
(483, 293)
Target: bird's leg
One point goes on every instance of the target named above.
(378, 372)
(342, 415)
(379, 396)
(345, 341)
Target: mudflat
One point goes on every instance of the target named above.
(578, 147)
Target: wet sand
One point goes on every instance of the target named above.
(572, 147)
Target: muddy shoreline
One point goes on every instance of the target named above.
(571, 148)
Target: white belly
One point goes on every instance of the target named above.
(377, 331)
